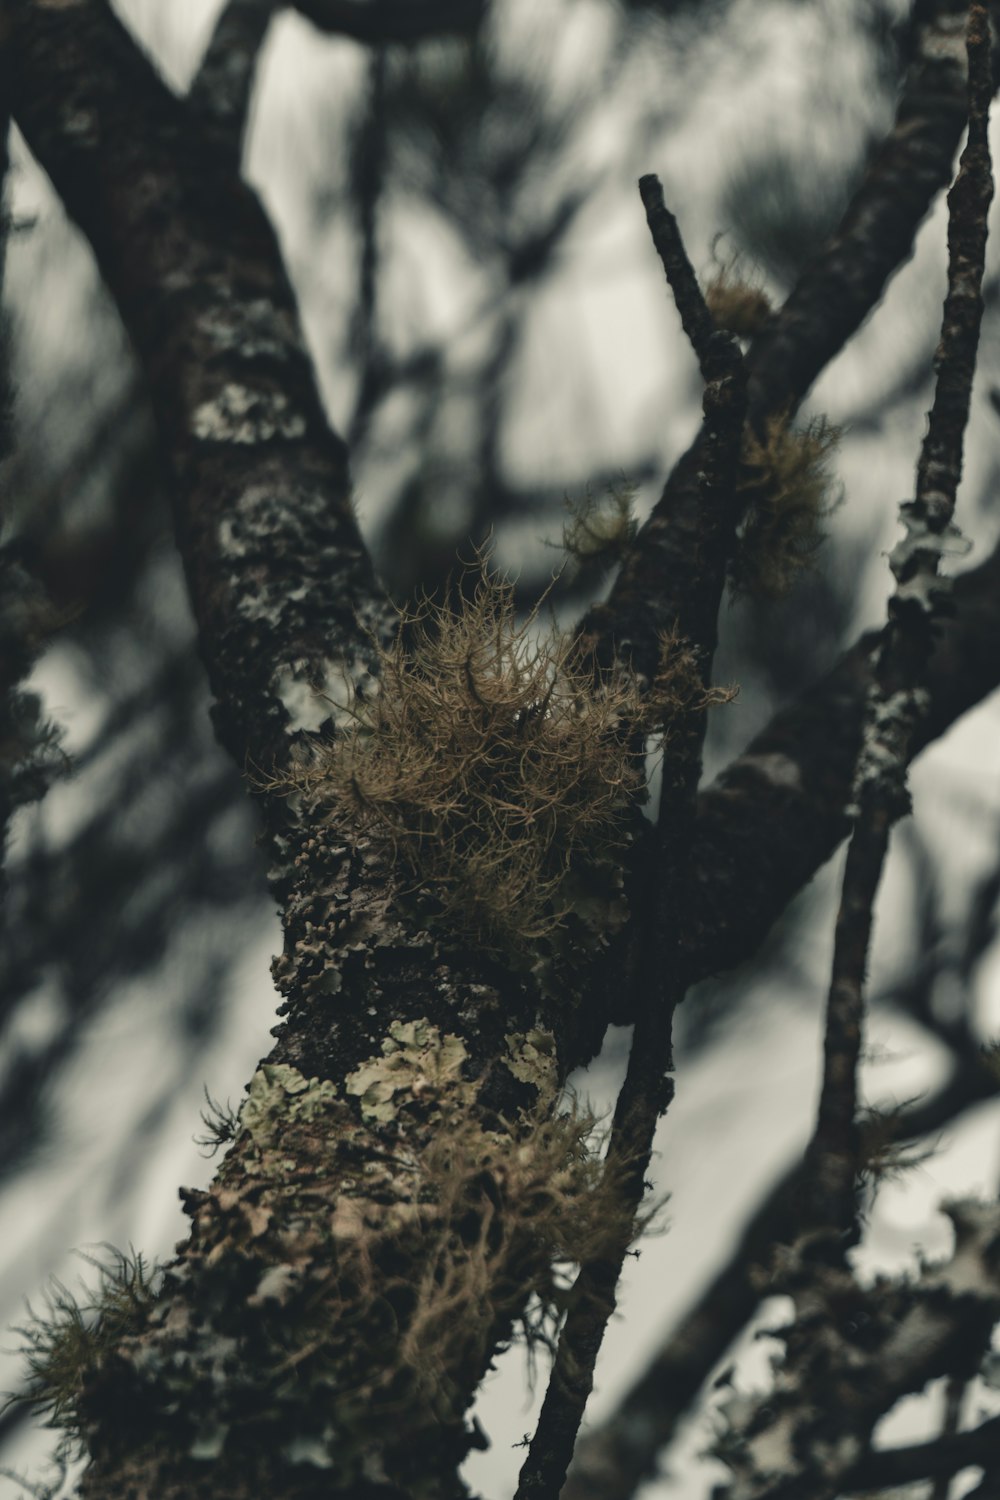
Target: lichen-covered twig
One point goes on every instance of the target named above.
(614, 1458)
(775, 815)
(832, 1385)
(852, 1352)
(900, 695)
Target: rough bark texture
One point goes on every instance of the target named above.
(400, 1188)
(454, 1044)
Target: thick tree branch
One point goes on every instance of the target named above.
(392, 1155)
(777, 813)
(281, 584)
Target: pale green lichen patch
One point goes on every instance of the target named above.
(278, 1093)
(239, 414)
(532, 1059)
(415, 1058)
(380, 1257)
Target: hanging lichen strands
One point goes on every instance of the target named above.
(501, 776)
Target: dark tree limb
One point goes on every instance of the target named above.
(379, 22)
(659, 584)
(696, 319)
(777, 813)
(221, 92)
(945, 1456)
(846, 280)
(287, 607)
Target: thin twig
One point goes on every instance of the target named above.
(648, 1088)
(696, 319)
(899, 698)
(657, 583)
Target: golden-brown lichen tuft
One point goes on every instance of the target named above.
(787, 483)
(601, 527)
(498, 770)
(737, 303)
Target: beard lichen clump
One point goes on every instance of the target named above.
(789, 489)
(737, 303)
(500, 769)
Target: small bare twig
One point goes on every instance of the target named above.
(696, 319)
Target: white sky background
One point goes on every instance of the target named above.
(603, 361)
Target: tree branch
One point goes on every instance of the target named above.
(696, 319)
(659, 584)
(281, 584)
(776, 814)
(945, 1456)
(899, 695)
(221, 92)
(853, 1352)
(429, 1212)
